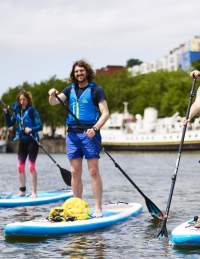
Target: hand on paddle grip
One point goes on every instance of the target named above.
(27, 130)
(195, 74)
(90, 132)
(53, 92)
(187, 121)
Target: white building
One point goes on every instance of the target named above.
(173, 61)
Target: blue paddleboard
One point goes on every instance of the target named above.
(13, 200)
(112, 214)
(186, 234)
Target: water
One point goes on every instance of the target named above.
(135, 238)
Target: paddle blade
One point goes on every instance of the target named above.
(163, 232)
(66, 175)
(154, 210)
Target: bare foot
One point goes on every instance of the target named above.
(21, 194)
(33, 195)
(97, 214)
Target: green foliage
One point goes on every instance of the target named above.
(133, 62)
(168, 92)
(51, 115)
(196, 64)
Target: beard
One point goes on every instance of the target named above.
(81, 80)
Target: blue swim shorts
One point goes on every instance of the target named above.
(79, 145)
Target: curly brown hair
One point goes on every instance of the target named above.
(26, 94)
(88, 68)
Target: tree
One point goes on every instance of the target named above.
(133, 62)
(52, 116)
(196, 64)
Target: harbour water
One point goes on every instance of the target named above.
(135, 238)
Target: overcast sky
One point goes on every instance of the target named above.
(42, 38)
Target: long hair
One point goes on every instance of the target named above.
(81, 63)
(26, 94)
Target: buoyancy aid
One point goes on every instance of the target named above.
(23, 119)
(27, 118)
(83, 107)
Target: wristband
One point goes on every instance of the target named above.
(95, 129)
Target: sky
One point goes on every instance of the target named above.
(43, 38)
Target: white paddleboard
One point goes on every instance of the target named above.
(13, 200)
(112, 214)
(186, 234)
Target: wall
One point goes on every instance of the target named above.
(51, 145)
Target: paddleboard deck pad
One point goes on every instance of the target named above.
(186, 234)
(43, 228)
(13, 200)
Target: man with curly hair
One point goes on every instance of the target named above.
(87, 101)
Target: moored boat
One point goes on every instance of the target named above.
(124, 131)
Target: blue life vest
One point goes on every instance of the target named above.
(83, 107)
(24, 120)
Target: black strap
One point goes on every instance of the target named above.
(79, 128)
(22, 189)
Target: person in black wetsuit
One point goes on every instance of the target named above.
(28, 123)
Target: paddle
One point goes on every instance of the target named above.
(66, 175)
(163, 231)
(153, 209)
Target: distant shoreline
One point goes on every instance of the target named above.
(58, 146)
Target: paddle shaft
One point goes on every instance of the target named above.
(46, 152)
(192, 94)
(119, 167)
(66, 175)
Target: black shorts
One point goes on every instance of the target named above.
(29, 149)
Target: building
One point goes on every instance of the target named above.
(110, 70)
(180, 57)
(187, 58)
